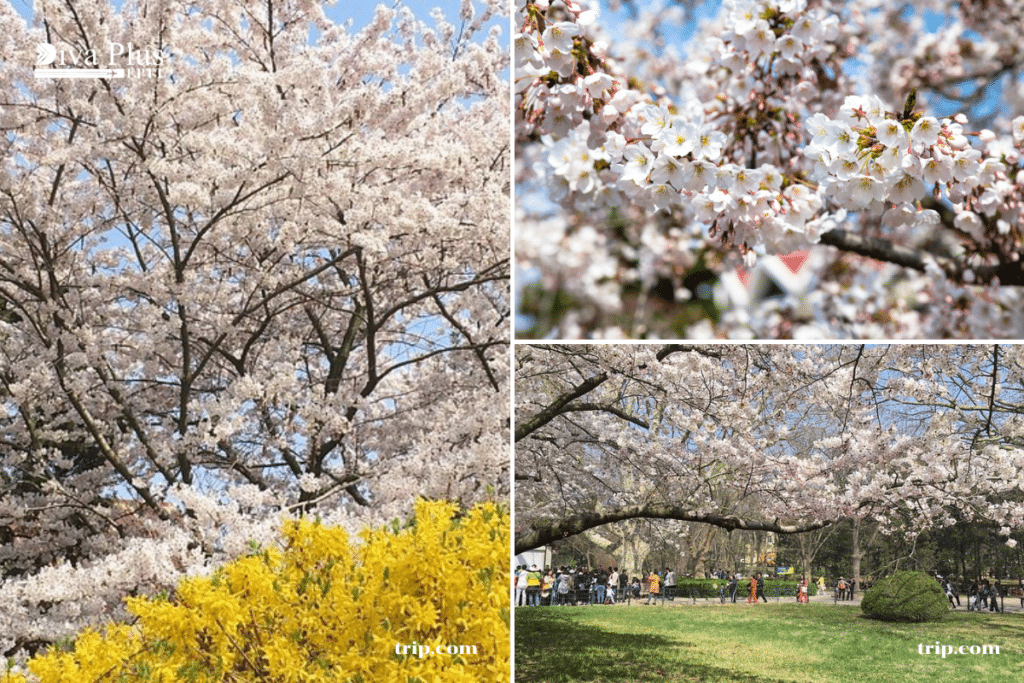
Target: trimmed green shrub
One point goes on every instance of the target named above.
(905, 596)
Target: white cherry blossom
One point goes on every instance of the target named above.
(558, 36)
(708, 144)
(925, 132)
(269, 277)
(830, 106)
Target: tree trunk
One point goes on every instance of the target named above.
(634, 550)
(857, 552)
(807, 559)
(699, 548)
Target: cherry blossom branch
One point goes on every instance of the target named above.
(767, 88)
(478, 349)
(611, 410)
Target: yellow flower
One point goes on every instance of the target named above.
(322, 609)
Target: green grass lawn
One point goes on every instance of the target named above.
(770, 643)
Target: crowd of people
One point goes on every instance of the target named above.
(845, 588)
(980, 595)
(533, 586)
(584, 586)
(607, 586)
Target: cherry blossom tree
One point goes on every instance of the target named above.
(778, 438)
(879, 141)
(265, 273)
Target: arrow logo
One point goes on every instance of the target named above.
(45, 54)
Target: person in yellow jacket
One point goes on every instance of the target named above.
(654, 581)
(533, 586)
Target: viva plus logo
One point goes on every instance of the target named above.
(117, 61)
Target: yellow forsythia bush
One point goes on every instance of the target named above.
(323, 609)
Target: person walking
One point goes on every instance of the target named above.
(752, 598)
(584, 587)
(974, 597)
(613, 582)
(734, 581)
(654, 587)
(670, 585)
(587, 585)
(948, 590)
(802, 595)
(760, 587)
(954, 588)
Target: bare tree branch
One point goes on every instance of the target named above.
(1007, 273)
(884, 250)
(557, 407)
(596, 407)
(543, 533)
(686, 348)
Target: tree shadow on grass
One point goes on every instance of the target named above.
(553, 647)
(1002, 629)
(1010, 629)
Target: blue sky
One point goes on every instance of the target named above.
(360, 12)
